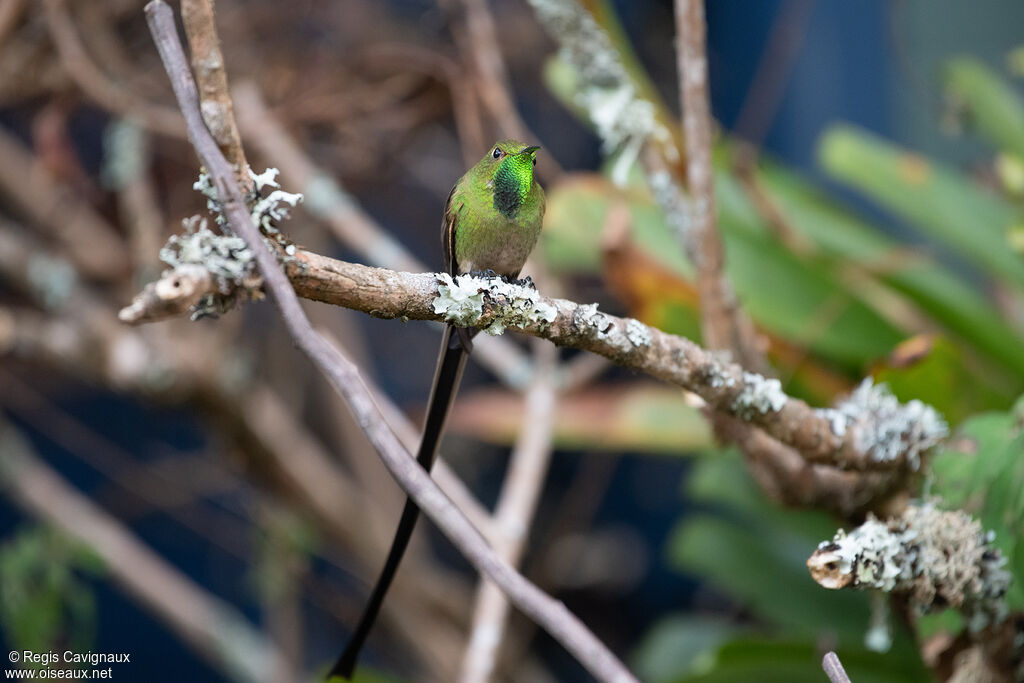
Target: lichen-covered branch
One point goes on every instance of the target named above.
(624, 120)
(868, 430)
(934, 557)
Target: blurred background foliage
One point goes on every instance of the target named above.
(854, 255)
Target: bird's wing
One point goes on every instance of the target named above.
(448, 224)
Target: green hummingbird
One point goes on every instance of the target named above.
(492, 220)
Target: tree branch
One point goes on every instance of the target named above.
(722, 324)
(936, 558)
(208, 64)
(344, 376)
(870, 431)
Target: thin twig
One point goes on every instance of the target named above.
(480, 41)
(212, 78)
(514, 513)
(344, 376)
(834, 669)
(721, 323)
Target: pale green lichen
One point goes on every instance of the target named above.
(760, 395)
(461, 301)
(53, 280)
(587, 317)
(676, 207)
(225, 255)
(885, 429)
(935, 557)
(878, 637)
(638, 333)
(623, 119)
(125, 149)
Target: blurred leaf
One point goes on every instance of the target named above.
(43, 603)
(800, 300)
(651, 292)
(639, 417)
(1015, 61)
(679, 646)
(750, 659)
(796, 299)
(940, 201)
(938, 292)
(982, 471)
(932, 370)
(1010, 170)
(576, 218)
(994, 108)
(758, 554)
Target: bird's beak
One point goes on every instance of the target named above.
(529, 150)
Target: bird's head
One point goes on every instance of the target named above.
(508, 170)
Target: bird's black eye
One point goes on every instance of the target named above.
(535, 161)
(496, 153)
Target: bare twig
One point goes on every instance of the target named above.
(513, 516)
(773, 68)
(344, 376)
(722, 326)
(834, 669)
(211, 626)
(212, 78)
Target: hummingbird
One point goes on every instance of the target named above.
(492, 219)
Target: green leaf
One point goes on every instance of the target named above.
(757, 554)
(680, 645)
(939, 200)
(932, 288)
(576, 218)
(982, 472)
(799, 299)
(994, 108)
(932, 369)
(43, 603)
(751, 659)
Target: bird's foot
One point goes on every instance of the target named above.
(525, 282)
(483, 273)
